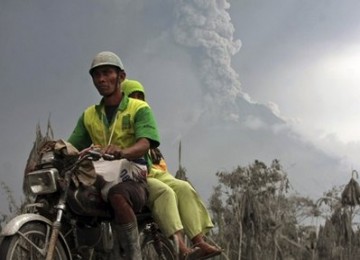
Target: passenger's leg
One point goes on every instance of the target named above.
(163, 205)
(194, 215)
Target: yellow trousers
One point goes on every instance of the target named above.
(175, 205)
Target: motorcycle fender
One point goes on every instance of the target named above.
(17, 222)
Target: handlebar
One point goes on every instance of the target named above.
(89, 155)
(93, 155)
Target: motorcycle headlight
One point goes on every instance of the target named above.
(42, 181)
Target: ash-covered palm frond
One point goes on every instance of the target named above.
(33, 158)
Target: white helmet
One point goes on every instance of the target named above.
(106, 58)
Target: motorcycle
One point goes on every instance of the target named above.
(68, 220)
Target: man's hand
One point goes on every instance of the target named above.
(113, 150)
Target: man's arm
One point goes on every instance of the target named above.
(80, 137)
(139, 149)
(146, 127)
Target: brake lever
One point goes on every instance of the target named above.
(108, 157)
(97, 155)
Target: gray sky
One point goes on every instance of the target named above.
(277, 80)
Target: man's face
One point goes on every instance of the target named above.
(137, 95)
(106, 79)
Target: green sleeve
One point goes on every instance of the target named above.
(145, 126)
(80, 137)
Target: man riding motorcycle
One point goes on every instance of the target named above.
(126, 129)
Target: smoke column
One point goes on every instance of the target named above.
(205, 26)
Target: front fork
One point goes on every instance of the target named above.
(55, 231)
(56, 225)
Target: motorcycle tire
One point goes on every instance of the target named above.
(29, 243)
(162, 249)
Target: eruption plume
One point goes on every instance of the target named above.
(205, 26)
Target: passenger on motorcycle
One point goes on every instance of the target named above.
(126, 129)
(174, 203)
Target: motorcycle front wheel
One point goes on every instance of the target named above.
(30, 243)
